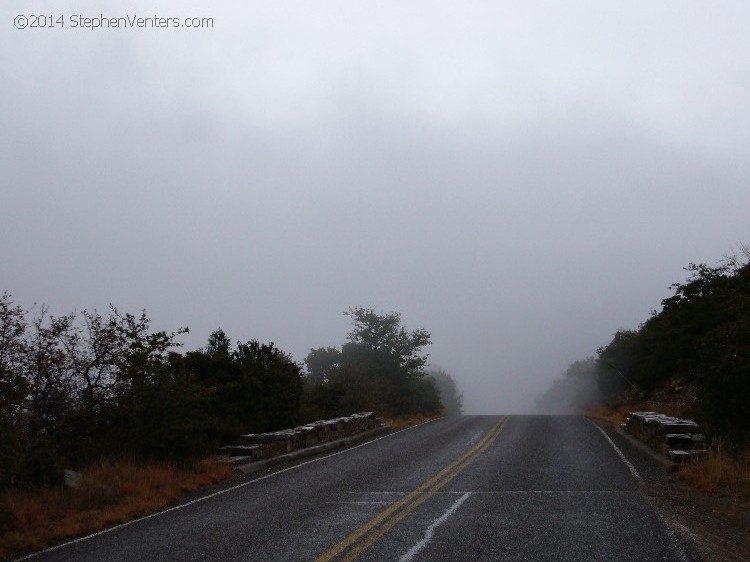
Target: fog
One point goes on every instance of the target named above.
(521, 179)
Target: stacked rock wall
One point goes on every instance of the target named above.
(258, 446)
(679, 439)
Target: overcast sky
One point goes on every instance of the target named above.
(520, 178)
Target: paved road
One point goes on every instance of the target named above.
(468, 488)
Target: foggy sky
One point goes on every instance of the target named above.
(521, 179)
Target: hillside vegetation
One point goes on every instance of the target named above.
(84, 387)
(697, 345)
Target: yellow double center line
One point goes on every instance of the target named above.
(364, 537)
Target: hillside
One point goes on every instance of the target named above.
(691, 358)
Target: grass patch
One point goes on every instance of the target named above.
(720, 472)
(678, 403)
(614, 415)
(110, 492)
(401, 422)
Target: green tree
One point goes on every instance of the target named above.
(323, 395)
(575, 390)
(13, 350)
(252, 388)
(385, 334)
(701, 336)
(723, 357)
(48, 373)
(381, 366)
(619, 363)
(450, 397)
(13, 387)
(320, 364)
(273, 385)
(219, 344)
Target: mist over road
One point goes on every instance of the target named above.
(465, 488)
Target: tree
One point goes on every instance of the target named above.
(381, 363)
(252, 388)
(723, 371)
(320, 364)
(323, 390)
(385, 334)
(381, 367)
(450, 398)
(574, 391)
(13, 349)
(219, 344)
(142, 353)
(700, 336)
(13, 386)
(273, 382)
(48, 372)
(619, 362)
(424, 396)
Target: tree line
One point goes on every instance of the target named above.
(701, 337)
(382, 367)
(85, 386)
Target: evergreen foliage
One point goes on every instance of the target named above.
(574, 392)
(701, 336)
(76, 388)
(381, 368)
(85, 386)
(450, 397)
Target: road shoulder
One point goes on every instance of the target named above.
(717, 526)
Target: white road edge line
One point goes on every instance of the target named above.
(210, 496)
(665, 523)
(631, 468)
(431, 529)
(671, 535)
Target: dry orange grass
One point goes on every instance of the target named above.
(407, 421)
(676, 399)
(111, 492)
(717, 472)
(610, 414)
(720, 472)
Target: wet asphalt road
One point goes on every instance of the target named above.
(467, 488)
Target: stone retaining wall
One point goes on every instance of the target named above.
(679, 439)
(258, 446)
